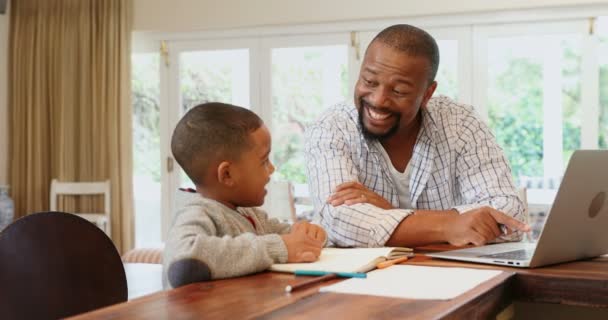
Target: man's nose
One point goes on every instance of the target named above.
(379, 97)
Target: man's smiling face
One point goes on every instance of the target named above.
(391, 89)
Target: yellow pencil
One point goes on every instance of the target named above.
(389, 263)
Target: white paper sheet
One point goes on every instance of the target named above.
(415, 282)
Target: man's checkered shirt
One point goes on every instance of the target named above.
(456, 164)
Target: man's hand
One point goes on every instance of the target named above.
(478, 226)
(353, 192)
(304, 242)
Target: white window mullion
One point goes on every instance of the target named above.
(552, 111)
(258, 81)
(479, 66)
(242, 97)
(590, 92)
(465, 66)
(169, 93)
(356, 52)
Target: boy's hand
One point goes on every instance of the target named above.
(304, 242)
(316, 232)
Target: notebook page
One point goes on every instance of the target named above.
(340, 260)
(415, 282)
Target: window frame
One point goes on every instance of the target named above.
(589, 76)
(467, 28)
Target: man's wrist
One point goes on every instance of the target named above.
(443, 221)
(446, 223)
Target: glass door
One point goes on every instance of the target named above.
(199, 72)
(529, 82)
(307, 75)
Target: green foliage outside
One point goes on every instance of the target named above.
(297, 101)
(603, 138)
(200, 86)
(145, 92)
(514, 106)
(446, 83)
(516, 112)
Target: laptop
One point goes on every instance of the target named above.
(574, 229)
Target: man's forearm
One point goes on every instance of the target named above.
(423, 227)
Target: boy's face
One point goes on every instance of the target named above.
(253, 170)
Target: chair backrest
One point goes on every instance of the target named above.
(54, 265)
(85, 188)
(279, 202)
(144, 255)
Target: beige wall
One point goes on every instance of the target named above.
(190, 15)
(3, 99)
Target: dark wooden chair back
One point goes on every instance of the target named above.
(54, 265)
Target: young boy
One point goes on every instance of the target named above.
(217, 233)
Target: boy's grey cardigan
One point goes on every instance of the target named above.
(211, 241)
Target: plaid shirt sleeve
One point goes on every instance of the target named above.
(484, 177)
(329, 155)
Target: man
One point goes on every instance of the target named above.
(400, 168)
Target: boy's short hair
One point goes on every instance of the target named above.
(210, 132)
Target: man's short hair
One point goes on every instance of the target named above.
(413, 41)
(212, 132)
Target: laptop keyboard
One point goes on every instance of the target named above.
(521, 254)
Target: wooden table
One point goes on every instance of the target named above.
(582, 283)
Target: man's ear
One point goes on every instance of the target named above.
(224, 174)
(429, 93)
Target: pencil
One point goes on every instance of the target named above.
(389, 263)
(301, 285)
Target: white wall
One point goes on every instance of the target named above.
(190, 15)
(3, 99)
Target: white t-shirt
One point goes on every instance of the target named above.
(402, 181)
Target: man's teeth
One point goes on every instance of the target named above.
(376, 115)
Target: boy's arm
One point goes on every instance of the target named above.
(195, 253)
(270, 225)
(273, 225)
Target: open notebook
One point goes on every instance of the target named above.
(347, 259)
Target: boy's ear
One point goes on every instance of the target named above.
(224, 174)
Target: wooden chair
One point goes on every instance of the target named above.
(279, 202)
(144, 255)
(100, 219)
(54, 265)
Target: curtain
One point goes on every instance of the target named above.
(69, 104)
